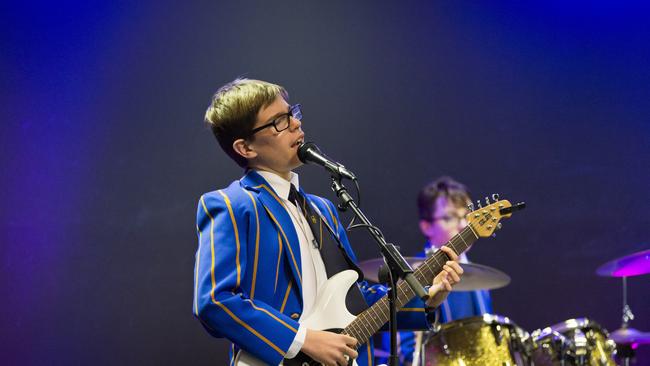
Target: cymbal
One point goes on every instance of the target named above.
(631, 265)
(475, 276)
(630, 336)
(371, 267)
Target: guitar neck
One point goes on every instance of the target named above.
(373, 318)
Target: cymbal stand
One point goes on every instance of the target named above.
(625, 350)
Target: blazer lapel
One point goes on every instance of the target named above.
(280, 217)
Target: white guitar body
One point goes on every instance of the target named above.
(329, 312)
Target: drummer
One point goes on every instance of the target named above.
(442, 207)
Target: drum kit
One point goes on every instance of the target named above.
(496, 340)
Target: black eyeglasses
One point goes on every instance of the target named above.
(449, 219)
(281, 122)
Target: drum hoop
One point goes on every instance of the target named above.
(487, 319)
(567, 325)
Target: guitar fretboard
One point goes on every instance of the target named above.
(373, 318)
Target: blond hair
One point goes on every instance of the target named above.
(233, 111)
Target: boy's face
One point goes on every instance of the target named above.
(448, 220)
(276, 151)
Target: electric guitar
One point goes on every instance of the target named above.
(330, 313)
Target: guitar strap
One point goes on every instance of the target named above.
(334, 256)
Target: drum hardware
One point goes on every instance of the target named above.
(573, 342)
(444, 344)
(579, 342)
(559, 345)
(635, 264)
(521, 346)
(496, 331)
(580, 348)
(417, 354)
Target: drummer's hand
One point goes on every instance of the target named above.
(445, 280)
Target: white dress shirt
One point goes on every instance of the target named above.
(313, 269)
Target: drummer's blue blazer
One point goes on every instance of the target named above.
(247, 279)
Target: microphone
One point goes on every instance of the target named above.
(310, 153)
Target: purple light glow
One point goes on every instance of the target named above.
(631, 265)
(637, 266)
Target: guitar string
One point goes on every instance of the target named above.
(403, 290)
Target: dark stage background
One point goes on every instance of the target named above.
(104, 154)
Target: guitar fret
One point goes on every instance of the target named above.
(373, 309)
(366, 329)
(461, 238)
(384, 309)
(353, 332)
(356, 333)
(350, 330)
(427, 267)
(372, 325)
(375, 318)
(404, 294)
(358, 329)
(453, 246)
(469, 226)
(420, 276)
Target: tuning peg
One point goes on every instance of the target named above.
(487, 201)
(478, 204)
(494, 233)
(495, 197)
(470, 207)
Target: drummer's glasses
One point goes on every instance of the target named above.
(449, 220)
(281, 122)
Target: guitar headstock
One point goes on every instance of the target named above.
(486, 220)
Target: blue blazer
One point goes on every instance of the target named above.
(247, 275)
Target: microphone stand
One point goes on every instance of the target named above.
(397, 265)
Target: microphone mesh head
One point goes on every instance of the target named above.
(303, 151)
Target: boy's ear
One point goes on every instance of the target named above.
(242, 148)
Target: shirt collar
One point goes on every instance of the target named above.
(280, 185)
